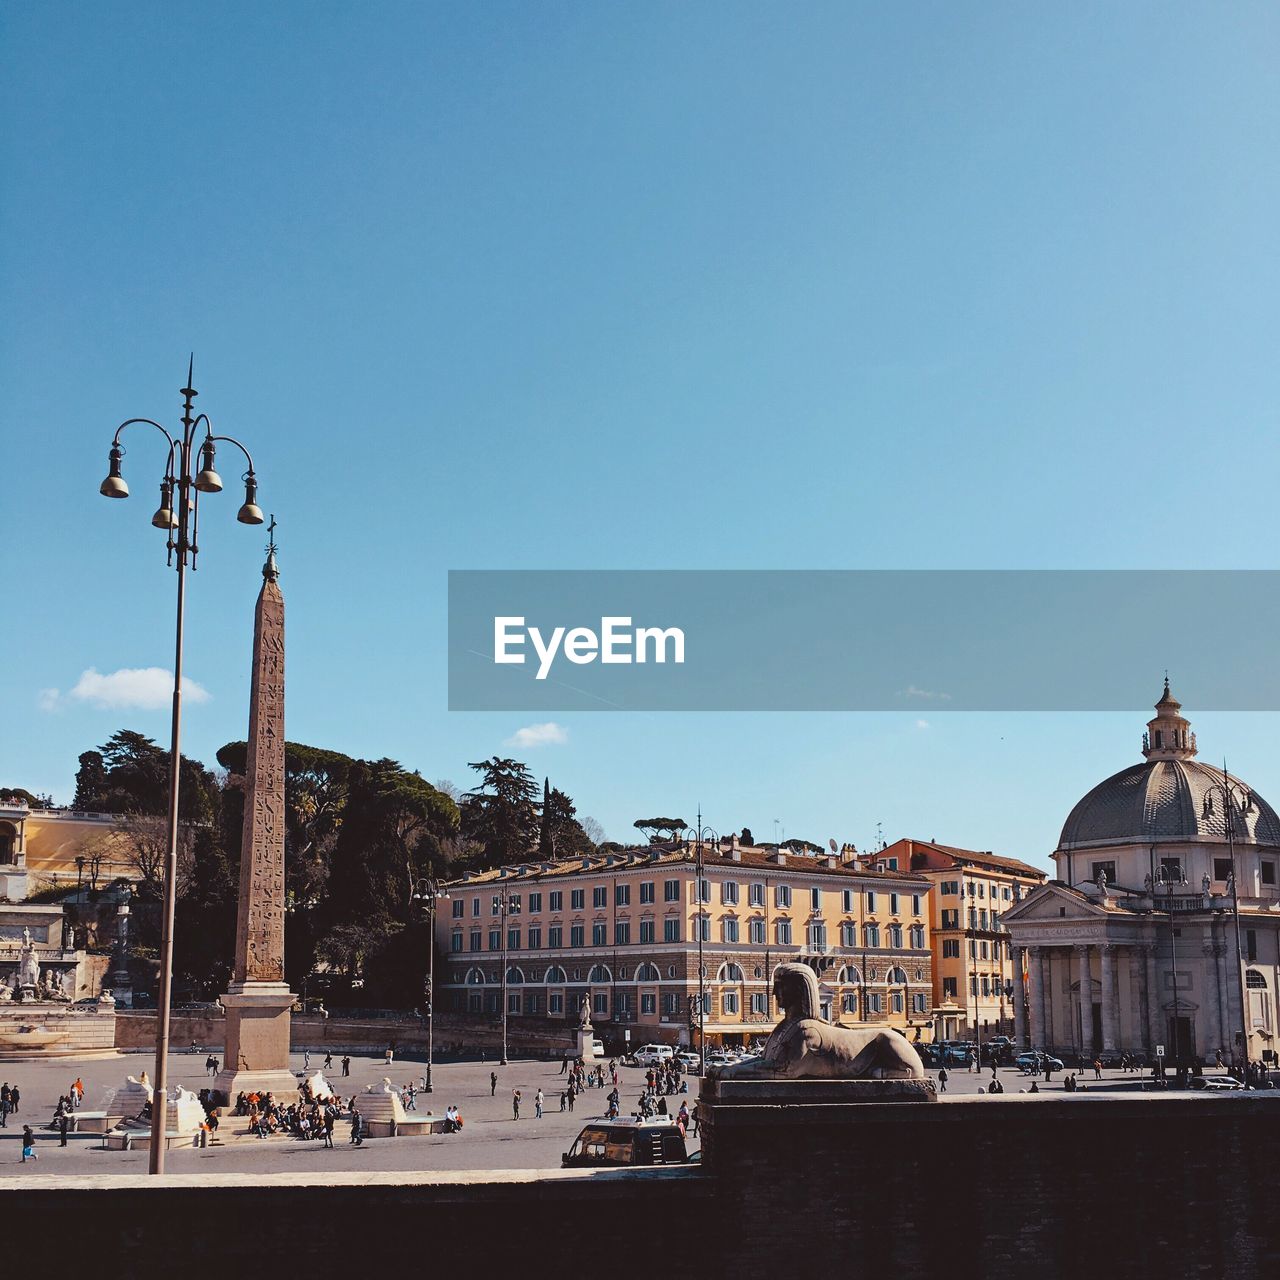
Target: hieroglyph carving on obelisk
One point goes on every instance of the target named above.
(260, 921)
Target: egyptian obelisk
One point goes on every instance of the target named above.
(259, 1001)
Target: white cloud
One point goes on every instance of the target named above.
(539, 735)
(922, 724)
(130, 688)
(926, 694)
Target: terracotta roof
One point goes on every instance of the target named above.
(983, 858)
(672, 855)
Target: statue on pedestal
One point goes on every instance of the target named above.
(805, 1046)
(28, 965)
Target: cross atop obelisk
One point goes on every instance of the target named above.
(259, 1001)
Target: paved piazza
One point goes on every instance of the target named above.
(491, 1139)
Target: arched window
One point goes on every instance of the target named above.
(897, 977)
(849, 975)
(8, 841)
(1254, 979)
(729, 972)
(600, 973)
(475, 977)
(515, 975)
(647, 973)
(555, 976)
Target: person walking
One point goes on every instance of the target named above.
(328, 1061)
(5, 1103)
(571, 1096)
(1097, 1068)
(28, 1144)
(537, 1105)
(357, 1127)
(14, 1097)
(943, 1077)
(328, 1127)
(515, 1105)
(493, 1084)
(346, 1065)
(564, 1096)
(564, 1065)
(64, 1124)
(306, 1059)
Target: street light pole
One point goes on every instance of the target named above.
(180, 521)
(1227, 789)
(1171, 880)
(699, 834)
(427, 893)
(503, 902)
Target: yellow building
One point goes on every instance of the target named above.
(973, 962)
(58, 848)
(622, 930)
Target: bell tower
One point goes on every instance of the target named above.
(1168, 735)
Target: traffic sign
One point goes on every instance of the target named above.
(1159, 1051)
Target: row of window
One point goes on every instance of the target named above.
(979, 949)
(990, 986)
(600, 974)
(730, 932)
(977, 889)
(978, 918)
(729, 896)
(536, 1002)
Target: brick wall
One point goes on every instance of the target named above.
(1049, 1188)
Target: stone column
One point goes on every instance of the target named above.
(1085, 981)
(1155, 1015)
(1134, 1035)
(1019, 999)
(1110, 1014)
(1227, 1012)
(1209, 1038)
(1039, 1036)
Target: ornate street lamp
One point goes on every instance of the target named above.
(178, 515)
(427, 892)
(1233, 794)
(503, 903)
(698, 836)
(1172, 879)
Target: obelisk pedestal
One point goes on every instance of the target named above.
(258, 1004)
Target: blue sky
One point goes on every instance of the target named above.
(562, 286)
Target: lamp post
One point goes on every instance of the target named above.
(973, 971)
(1173, 878)
(179, 516)
(1231, 793)
(426, 894)
(697, 836)
(503, 903)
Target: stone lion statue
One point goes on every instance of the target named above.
(805, 1046)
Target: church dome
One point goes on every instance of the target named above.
(1170, 797)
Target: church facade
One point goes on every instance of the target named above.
(1161, 931)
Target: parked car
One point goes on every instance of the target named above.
(650, 1055)
(688, 1060)
(1035, 1060)
(624, 1143)
(722, 1058)
(1216, 1084)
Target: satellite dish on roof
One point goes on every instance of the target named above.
(832, 844)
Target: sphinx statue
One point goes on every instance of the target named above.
(806, 1046)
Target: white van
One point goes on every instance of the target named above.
(650, 1055)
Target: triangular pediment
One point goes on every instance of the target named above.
(1053, 902)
